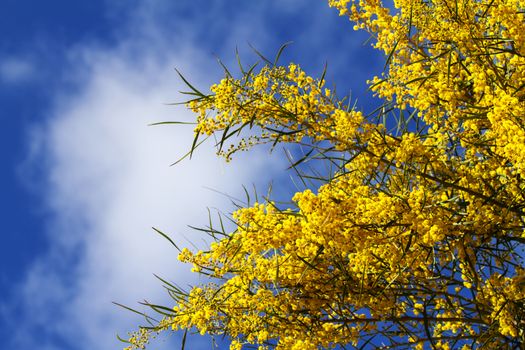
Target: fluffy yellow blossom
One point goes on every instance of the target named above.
(415, 238)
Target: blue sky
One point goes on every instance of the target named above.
(84, 178)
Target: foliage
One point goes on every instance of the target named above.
(416, 239)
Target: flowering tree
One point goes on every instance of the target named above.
(416, 238)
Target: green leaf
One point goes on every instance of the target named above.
(167, 237)
(260, 55)
(323, 75)
(184, 339)
(148, 318)
(197, 92)
(173, 122)
(279, 53)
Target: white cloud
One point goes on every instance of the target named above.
(109, 182)
(108, 179)
(15, 70)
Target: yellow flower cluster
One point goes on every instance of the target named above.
(417, 238)
(506, 295)
(138, 340)
(285, 103)
(459, 64)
